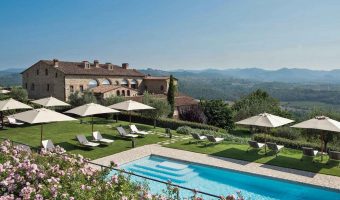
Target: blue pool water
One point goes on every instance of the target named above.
(221, 181)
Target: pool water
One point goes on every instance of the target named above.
(221, 181)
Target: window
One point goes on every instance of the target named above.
(106, 82)
(134, 84)
(93, 83)
(124, 83)
(162, 87)
(123, 92)
(118, 93)
(48, 87)
(46, 72)
(128, 93)
(71, 88)
(37, 71)
(81, 88)
(56, 74)
(32, 87)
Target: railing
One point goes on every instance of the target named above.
(130, 173)
(156, 180)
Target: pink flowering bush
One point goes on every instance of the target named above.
(54, 174)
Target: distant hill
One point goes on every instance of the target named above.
(285, 75)
(10, 77)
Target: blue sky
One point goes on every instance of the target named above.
(173, 34)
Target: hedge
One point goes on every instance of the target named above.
(164, 122)
(295, 144)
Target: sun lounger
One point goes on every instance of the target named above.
(48, 144)
(99, 138)
(334, 155)
(214, 140)
(309, 152)
(198, 137)
(135, 130)
(13, 121)
(274, 147)
(122, 132)
(82, 140)
(254, 145)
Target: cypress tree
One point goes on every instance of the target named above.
(171, 96)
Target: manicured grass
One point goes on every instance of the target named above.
(64, 134)
(288, 158)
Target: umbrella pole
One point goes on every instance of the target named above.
(130, 117)
(265, 141)
(321, 137)
(92, 123)
(41, 133)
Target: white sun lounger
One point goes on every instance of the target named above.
(122, 132)
(97, 137)
(214, 139)
(13, 121)
(135, 130)
(48, 144)
(82, 140)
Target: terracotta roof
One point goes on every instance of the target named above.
(107, 88)
(157, 78)
(77, 68)
(181, 100)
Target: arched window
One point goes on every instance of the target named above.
(124, 83)
(128, 93)
(134, 84)
(92, 84)
(106, 82)
(123, 92)
(118, 93)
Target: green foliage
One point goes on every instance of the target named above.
(186, 130)
(162, 108)
(19, 94)
(171, 96)
(218, 114)
(112, 100)
(255, 103)
(295, 144)
(193, 114)
(286, 132)
(78, 99)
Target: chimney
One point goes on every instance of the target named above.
(56, 62)
(86, 64)
(109, 66)
(96, 63)
(125, 65)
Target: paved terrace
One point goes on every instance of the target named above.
(322, 180)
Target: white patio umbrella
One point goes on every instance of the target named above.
(265, 120)
(11, 104)
(50, 102)
(41, 116)
(91, 109)
(3, 91)
(322, 123)
(129, 106)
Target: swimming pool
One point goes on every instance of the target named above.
(221, 181)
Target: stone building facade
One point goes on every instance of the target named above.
(62, 78)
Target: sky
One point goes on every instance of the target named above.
(173, 34)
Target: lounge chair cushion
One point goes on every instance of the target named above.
(48, 144)
(198, 137)
(98, 137)
(123, 133)
(14, 121)
(135, 130)
(82, 140)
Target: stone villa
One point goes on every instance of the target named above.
(61, 78)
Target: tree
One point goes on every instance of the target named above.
(171, 96)
(19, 94)
(112, 100)
(193, 114)
(78, 99)
(218, 113)
(257, 102)
(162, 108)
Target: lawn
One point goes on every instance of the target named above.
(64, 134)
(288, 158)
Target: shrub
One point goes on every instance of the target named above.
(286, 132)
(295, 144)
(186, 130)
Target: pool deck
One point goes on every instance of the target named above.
(294, 175)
